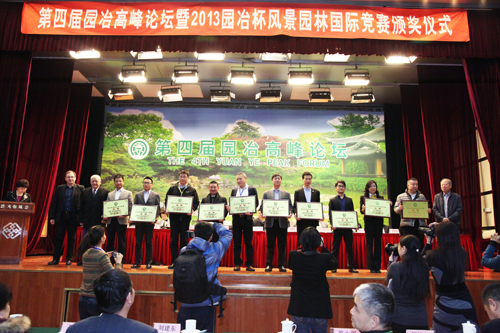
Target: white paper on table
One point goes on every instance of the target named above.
(167, 327)
(65, 326)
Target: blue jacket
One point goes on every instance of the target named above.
(488, 260)
(213, 253)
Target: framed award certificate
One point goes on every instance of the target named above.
(414, 209)
(180, 205)
(309, 210)
(211, 212)
(242, 205)
(143, 213)
(377, 207)
(345, 220)
(115, 208)
(275, 208)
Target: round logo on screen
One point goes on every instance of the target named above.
(138, 149)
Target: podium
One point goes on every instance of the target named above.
(14, 225)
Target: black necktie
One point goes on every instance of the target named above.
(93, 193)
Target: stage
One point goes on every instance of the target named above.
(257, 301)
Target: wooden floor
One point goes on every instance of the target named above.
(257, 301)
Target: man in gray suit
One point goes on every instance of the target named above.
(115, 296)
(276, 227)
(145, 229)
(447, 205)
(118, 225)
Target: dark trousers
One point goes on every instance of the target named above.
(120, 230)
(338, 234)
(242, 227)
(273, 233)
(65, 225)
(403, 231)
(144, 230)
(88, 307)
(373, 233)
(303, 224)
(204, 316)
(179, 226)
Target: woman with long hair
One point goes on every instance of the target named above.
(95, 262)
(453, 305)
(409, 281)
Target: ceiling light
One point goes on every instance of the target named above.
(400, 59)
(148, 55)
(319, 95)
(363, 96)
(275, 56)
(185, 74)
(356, 77)
(221, 95)
(242, 75)
(133, 73)
(300, 75)
(93, 54)
(209, 56)
(170, 94)
(121, 93)
(337, 57)
(269, 95)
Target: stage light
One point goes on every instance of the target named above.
(221, 94)
(356, 77)
(185, 74)
(242, 75)
(300, 75)
(148, 55)
(133, 73)
(170, 94)
(209, 56)
(318, 95)
(337, 57)
(121, 93)
(275, 56)
(363, 96)
(92, 54)
(269, 95)
(400, 59)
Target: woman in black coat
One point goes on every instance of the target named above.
(19, 195)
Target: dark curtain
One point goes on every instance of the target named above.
(450, 139)
(484, 30)
(49, 91)
(14, 78)
(483, 83)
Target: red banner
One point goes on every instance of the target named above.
(244, 19)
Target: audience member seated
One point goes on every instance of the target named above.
(12, 325)
(115, 297)
(491, 301)
(310, 304)
(454, 304)
(409, 282)
(373, 308)
(489, 260)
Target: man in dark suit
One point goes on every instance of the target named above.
(115, 296)
(243, 224)
(276, 227)
(305, 194)
(65, 214)
(145, 229)
(342, 203)
(447, 205)
(214, 197)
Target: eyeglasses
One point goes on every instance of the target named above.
(340, 185)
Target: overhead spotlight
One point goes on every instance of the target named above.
(185, 74)
(221, 94)
(121, 92)
(320, 95)
(356, 77)
(300, 75)
(275, 56)
(242, 75)
(337, 57)
(269, 95)
(133, 73)
(363, 96)
(92, 54)
(170, 94)
(209, 56)
(148, 55)
(400, 59)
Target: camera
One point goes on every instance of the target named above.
(391, 249)
(427, 231)
(114, 254)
